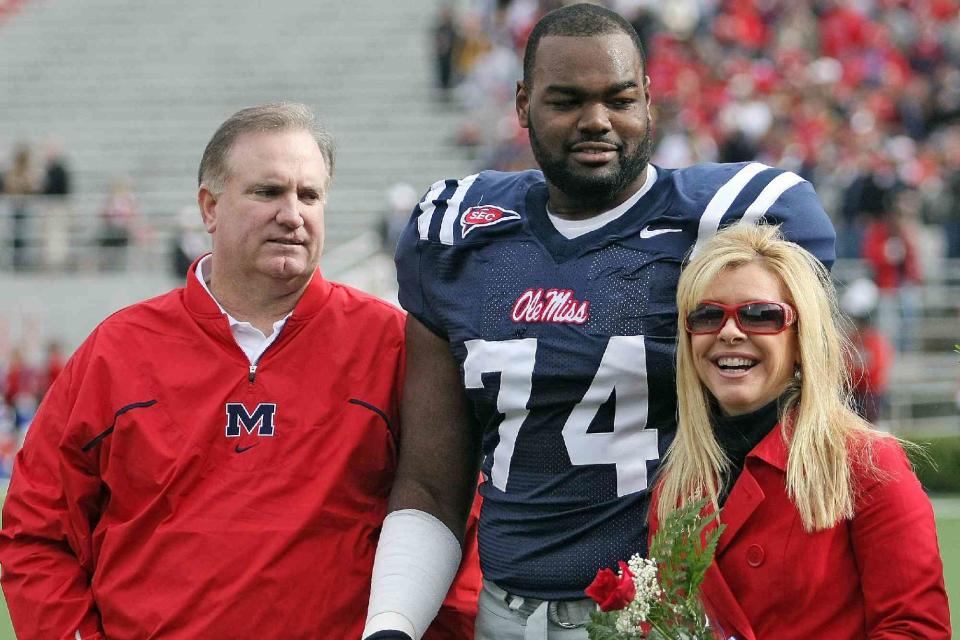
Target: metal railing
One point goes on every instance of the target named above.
(65, 234)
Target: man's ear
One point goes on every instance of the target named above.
(208, 208)
(523, 105)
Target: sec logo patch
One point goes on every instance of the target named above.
(484, 216)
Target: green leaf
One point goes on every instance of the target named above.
(683, 554)
(603, 626)
(683, 551)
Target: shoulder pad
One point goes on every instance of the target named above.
(494, 195)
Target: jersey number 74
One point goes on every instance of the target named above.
(622, 369)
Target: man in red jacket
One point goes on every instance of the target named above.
(215, 462)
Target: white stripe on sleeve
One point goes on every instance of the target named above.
(427, 206)
(453, 208)
(721, 201)
(769, 195)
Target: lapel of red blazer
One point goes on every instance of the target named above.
(743, 500)
(725, 613)
(747, 493)
(721, 604)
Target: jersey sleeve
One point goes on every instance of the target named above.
(410, 259)
(721, 195)
(53, 503)
(410, 292)
(803, 221)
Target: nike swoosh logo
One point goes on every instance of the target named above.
(240, 449)
(647, 232)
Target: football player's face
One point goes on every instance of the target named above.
(745, 371)
(587, 112)
(269, 218)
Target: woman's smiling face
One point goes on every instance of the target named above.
(745, 371)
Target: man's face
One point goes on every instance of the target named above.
(269, 218)
(587, 112)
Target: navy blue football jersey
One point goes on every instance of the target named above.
(567, 347)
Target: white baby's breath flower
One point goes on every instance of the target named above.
(673, 610)
(644, 572)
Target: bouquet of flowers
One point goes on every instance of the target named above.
(657, 598)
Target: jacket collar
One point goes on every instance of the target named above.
(772, 449)
(747, 494)
(201, 304)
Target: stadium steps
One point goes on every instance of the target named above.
(136, 89)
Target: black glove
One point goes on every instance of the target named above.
(389, 635)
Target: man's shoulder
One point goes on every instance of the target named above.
(352, 298)
(140, 313)
(490, 182)
(353, 319)
(744, 191)
(161, 315)
(453, 209)
(124, 330)
(501, 189)
(711, 176)
(713, 195)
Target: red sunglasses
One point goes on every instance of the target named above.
(756, 316)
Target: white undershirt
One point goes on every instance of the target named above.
(250, 339)
(571, 229)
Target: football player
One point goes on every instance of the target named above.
(541, 330)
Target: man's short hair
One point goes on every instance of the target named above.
(577, 20)
(266, 118)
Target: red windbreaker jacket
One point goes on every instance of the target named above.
(167, 489)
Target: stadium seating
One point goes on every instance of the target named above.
(136, 89)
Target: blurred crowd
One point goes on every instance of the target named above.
(861, 97)
(24, 379)
(20, 183)
(37, 189)
(7, 7)
(40, 229)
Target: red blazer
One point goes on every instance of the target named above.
(877, 576)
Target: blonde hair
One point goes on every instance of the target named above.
(817, 420)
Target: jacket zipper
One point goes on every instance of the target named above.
(252, 373)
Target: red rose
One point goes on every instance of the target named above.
(610, 591)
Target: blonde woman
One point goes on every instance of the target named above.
(828, 532)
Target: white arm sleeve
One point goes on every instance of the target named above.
(417, 560)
